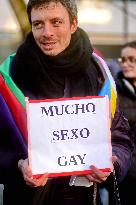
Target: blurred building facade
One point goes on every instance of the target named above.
(109, 23)
(10, 32)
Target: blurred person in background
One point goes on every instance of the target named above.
(126, 87)
(113, 66)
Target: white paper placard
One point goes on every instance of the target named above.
(68, 135)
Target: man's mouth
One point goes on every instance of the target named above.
(48, 45)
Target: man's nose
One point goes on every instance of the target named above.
(48, 31)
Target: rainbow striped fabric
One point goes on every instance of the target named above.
(109, 87)
(13, 101)
(12, 97)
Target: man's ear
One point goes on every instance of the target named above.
(74, 25)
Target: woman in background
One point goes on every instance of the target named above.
(126, 87)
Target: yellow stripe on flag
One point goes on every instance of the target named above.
(113, 101)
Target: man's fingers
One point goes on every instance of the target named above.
(23, 165)
(35, 182)
(30, 181)
(93, 178)
(27, 175)
(98, 173)
(42, 180)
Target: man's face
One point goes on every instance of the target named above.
(51, 27)
(128, 64)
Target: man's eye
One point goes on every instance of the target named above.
(57, 22)
(37, 25)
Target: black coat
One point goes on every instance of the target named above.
(127, 104)
(127, 98)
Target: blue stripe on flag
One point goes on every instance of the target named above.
(106, 89)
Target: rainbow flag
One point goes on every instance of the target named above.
(12, 99)
(109, 87)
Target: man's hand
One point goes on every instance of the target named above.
(97, 175)
(27, 175)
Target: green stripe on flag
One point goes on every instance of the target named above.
(5, 71)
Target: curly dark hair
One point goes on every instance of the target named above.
(70, 5)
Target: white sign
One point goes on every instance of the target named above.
(69, 135)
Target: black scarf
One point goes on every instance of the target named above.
(70, 73)
(125, 85)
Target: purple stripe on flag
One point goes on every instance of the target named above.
(7, 121)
